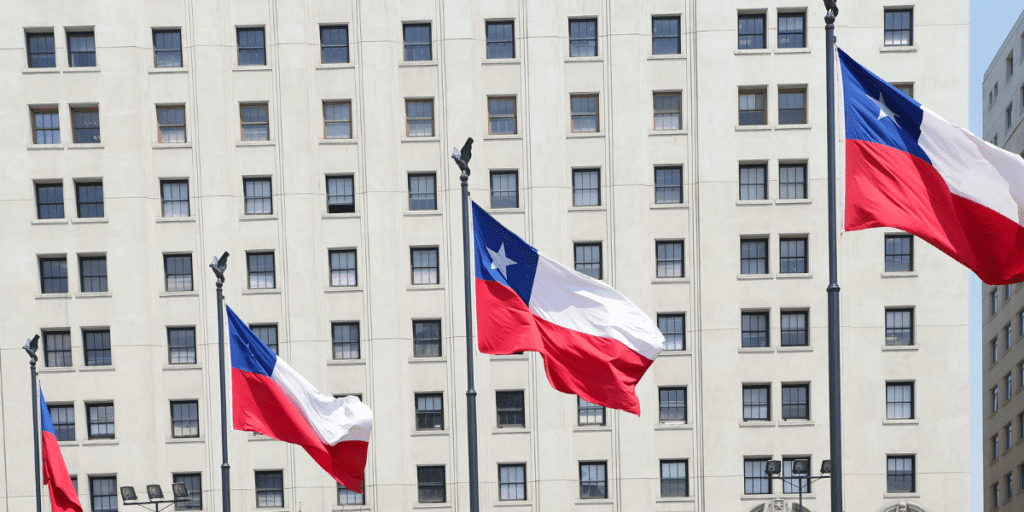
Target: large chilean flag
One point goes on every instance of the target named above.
(908, 168)
(271, 398)
(595, 342)
(63, 496)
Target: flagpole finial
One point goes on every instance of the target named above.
(832, 10)
(219, 266)
(462, 156)
(31, 346)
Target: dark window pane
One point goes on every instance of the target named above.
(899, 327)
(417, 41)
(793, 255)
(794, 328)
(343, 267)
(178, 272)
(501, 115)
(57, 346)
(668, 185)
(899, 27)
(101, 420)
(899, 253)
(103, 493)
(340, 194)
(50, 200)
(511, 482)
(430, 482)
(795, 402)
(899, 400)
(171, 124)
(345, 340)
(45, 125)
(81, 49)
(174, 198)
(422, 192)
(40, 50)
(504, 189)
(255, 124)
(269, 489)
(583, 38)
(792, 181)
(429, 411)
(584, 113)
(674, 480)
(258, 196)
(63, 417)
(792, 107)
(424, 266)
(589, 414)
(85, 122)
(53, 273)
(672, 405)
(755, 481)
(756, 405)
(93, 271)
(261, 270)
(900, 474)
(754, 329)
(426, 338)
(588, 260)
(419, 118)
(667, 111)
(185, 419)
(511, 408)
(751, 31)
(267, 334)
(193, 483)
(754, 256)
(593, 480)
(752, 110)
(334, 44)
(669, 259)
(97, 348)
(665, 35)
(181, 345)
(586, 187)
(791, 30)
(673, 327)
(251, 47)
(500, 40)
(167, 48)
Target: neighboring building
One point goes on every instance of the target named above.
(674, 149)
(1003, 306)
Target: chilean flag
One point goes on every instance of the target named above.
(595, 342)
(63, 496)
(271, 398)
(909, 169)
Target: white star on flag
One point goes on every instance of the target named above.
(884, 110)
(500, 261)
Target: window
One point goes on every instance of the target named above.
(900, 473)
(258, 197)
(97, 347)
(255, 125)
(754, 327)
(754, 256)
(337, 120)
(589, 414)
(593, 481)
(53, 272)
(665, 35)
(50, 201)
(793, 255)
(81, 49)
(756, 402)
(1009, 436)
(193, 483)
(584, 113)
(174, 198)
(178, 272)
(672, 405)
(583, 37)
(793, 484)
(430, 481)
(63, 417)
(347, 497)
(588, 259)
(501, 115)
(793, 327)
(74, 482)
(586, 187)
(334, 44)
(792, 181)
(674, 482)
(751, 31)
(791, 106)
(185, 419)
(899, 326)
(753, 182)
(269, 489)
(251, 47)
(667, 111)
(424, 265)
(345, 340)
(167, 48)
(512, 482)
(1009, 65)
(995, 447)
(85, 122)
(899, 27)
(93, 272)
(755, 481)
(670, 259)
(261, 270)
(994, 297)
(343, 267)
(426, 338)
(905, 88)
(267, 334)
(419, 115)
(668, 185)
(752, 108)
(500, 40)
(417, 41)
(673, 327)
(101, 420)
(791, 30)
(422, 192)
(57, 346)
(45, 125)
(1009, 115)
(1009, 485)
(995, 399)
(429, 411)
(340, 194)
(40, 50)
(995, 494)
(171, 124)
(899, 253)
(504, 189)
(511, 408)
(795, 402)
(103, 493)
(1009, 386)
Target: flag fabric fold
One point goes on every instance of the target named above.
(594, 341)
(907, 168)
(63, 496)
(271, 398)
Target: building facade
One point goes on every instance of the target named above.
(1003, 306)
(674, 149)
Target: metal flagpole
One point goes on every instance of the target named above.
(462, 159)
(219, 266)
(834, 352)
(31, 346)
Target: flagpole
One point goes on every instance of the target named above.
(219, 266)
(31, 346)
(462, 159)
(834, 352)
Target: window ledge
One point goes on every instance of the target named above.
(667, 56)
(799, 348)
(753, 127)
(510, 357)
(94, 145)
(671, 280)
(428, 360)
(343, 289)
(84, 69)
(103, 368)
(429, 433)
(346, 362)
(47, 296)
(175, 219)
(804, 275)
(755, 51)
(94, 220)
(257, 217)
(185, 440)
(242, 69)
(757, 350)
(680, 499)
(897, 49)
(40, 71)
(351, 215)
(69, 444)
(593, 501)
(261, 437)
(45, 147)
(261, 291)
(505, 211)
(49, 222)
(339, 65)
(596, 58)
(422, 213)
(57, 369)
(167, 71)
(598, 208)
(417, 63)
(99, 442)
(500, 62)
(584, 135)
(423, 287)
(801, 126)
(340, 141)
(190, 293)
(795, 423)
(673, 426)
(93, 295)
(792, 201)
(591, 428)
(510, 430)
(172, 145)
(758, 424)
(914, 421)
(754, 277)
(899, 348)
(432, 138)
(900, 495)
(670, 206)
(254, 143)
(182, 366)
(753, 202)
(507, 136)
(513, 503)
(897, 275)
(675, 353)
(793, 50)
(666, 133)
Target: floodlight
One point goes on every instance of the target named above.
(826, 467)
(180, 491)
(128, 494)
(773, 467)
(155, 492)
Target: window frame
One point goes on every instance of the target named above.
(61, 280)
(499, 197)
(597, 485)
(258, 194)
(343, 275)
(432, 274)
(428, 485)
(410, 119)
(751, 334)
(341, 46)
(578, 46)
(587, 265)
(502, 116)
(512, 484)
(792, 189)
(429, 409)
(408, 46)
(103, 502)
(88, 57)
(670, 341)
(48, 132)
(96, 346)
(260, 276)
(263, 331)
(100, 429)
(63, 417)
(753, 181)
(82, 132)
(796, 403)
(262, 109)
(896, 400)
(511, 413)
(186, 426)
(667, 112)
(427, 344)
(416, 196)
(92, 273)
(785, 110)
(802, 15)
(891, 331)
(39, 59)
(339, 201)
(787, 331)
(755, 480)
(757, 407)
(50, 189)
(588, 410)
(577, 116)
(499, 43)
(891, 253)
(892, 475)
(671, 481)
(889, 35)
(269, 496)
(254, 54)
(663, 190)
(675, 37)
(345, 346)
(583, 187)
(342, 123)
(750, 265)
(790, 263)
(169, 125)
(751, 34)
(175, 280)
(665, 263)
(57, 351)
(195, 493)
(170, 204)
(670, 412)
(158, 51)
(755, 94)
